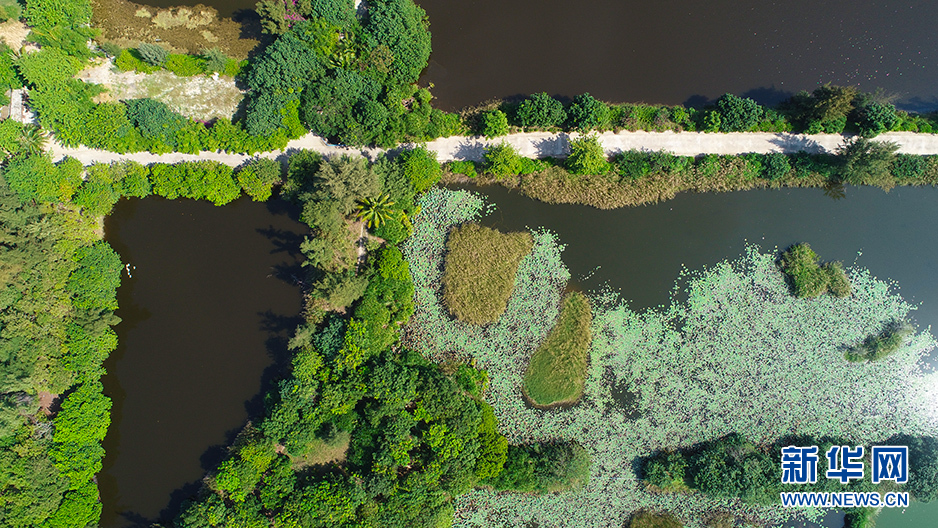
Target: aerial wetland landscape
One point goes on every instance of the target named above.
(386, 263)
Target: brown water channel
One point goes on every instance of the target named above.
(205, 316)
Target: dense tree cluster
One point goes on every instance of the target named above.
(344, 76)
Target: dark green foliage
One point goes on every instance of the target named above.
(152, 54)
(860, 518)
(875, 118)
(198, 180)
(502, 160)
(44, 14)
(587, 113)
(808, 278)
(878, 346)
(923, 465)
(738, 114)
(258, 177)
(587, 156)
(825, 110)
(155, 120)
(543, 468)
(734, 467)
(340, 290)
(667, 470)
(402, 26)
(330, 105)
(775, 166)
(494, 124)
(541, 111)
(909, 166)
(866, 162)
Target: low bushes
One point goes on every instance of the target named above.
(543, 468)
(480, 271)
(557, 370)
(808, 278)
(878, 346)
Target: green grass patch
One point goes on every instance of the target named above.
(878, 346)
(808, 278)
(319, 451)
(480, 271)
(558, 367)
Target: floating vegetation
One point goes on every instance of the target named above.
(740, 354)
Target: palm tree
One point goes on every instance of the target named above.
(32, 140)
(375, 211)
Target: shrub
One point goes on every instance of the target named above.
(808, 278)
(45, 14)
(738, 114)
(215, 60)
(667, 470)
(184, 65)
(530, 165)
(865, 162)
(466, 168)
(557, 370)
(152, 54)
(875, 118)
(480, 269)
(494, 124)
(586, 113)
(47, 67)
(587, 156)
(420, 166)
(775, 166)
(543, 468)
(98, 194)
(258, 177)
(111, 49)
(732, 467)
(155, 120)
(878, 346)
(129, 60)
(541, 111)
(909, 166)
(502, 160)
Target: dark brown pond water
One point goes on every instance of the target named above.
(204, 322)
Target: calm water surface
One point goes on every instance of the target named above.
(203, 325)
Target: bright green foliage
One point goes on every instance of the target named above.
(198, 180)
(541, 111)
(587, 156)
(466, 168)
(543, 468)
(130, 60)
(48, 66)
(420, 167)
(44, 14)
(377, 211)
(239, 475)
(80, 427)
(37, 178)
(8, 72)
(494, 124)
(875, 118)
(98, 193)
(866, 162)
(481, 263)
(73, 41)
(94, 284)
(557, 370)
(586, 113)
(810, 279)
(153, 54)
(877, 346)
(258, 177)
(80, 508)
(632, 165)
(184, 65)
(502, 160)
(738, 114)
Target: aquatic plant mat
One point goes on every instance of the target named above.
(741, 354)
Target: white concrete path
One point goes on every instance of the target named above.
(543, 144)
